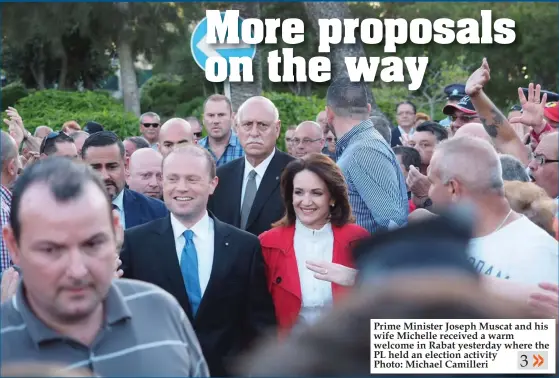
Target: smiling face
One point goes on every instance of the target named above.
(311, 199)
(187, 187)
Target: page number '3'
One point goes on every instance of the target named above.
(524, 360)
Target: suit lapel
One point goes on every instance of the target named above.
(132, 212)
(220, 265)
(269, 182)
(168, 259)
(236, 191)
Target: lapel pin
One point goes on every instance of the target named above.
(226, 243)
(277, 177)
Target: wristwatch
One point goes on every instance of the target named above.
(427, 203)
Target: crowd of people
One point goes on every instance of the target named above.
(175, 254)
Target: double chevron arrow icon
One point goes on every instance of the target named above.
(538, 360)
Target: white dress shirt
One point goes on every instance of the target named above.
(260, 170)
(316, 245)
(203, 241)
(118, 201)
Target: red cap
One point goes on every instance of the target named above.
(551, 112)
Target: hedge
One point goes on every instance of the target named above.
(11, 93)
(52, 108)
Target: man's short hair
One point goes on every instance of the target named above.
(194, 150)
(348, 99)
(9, 148)
(192, 119)
(150, 114)
(513, 169)
(382, 125)
(103, 139)
(65, 178)
(407, 103)
(471, 161)
(410, 156)
(48, 145)
(139, 142)
(217, 98)
(434, 128)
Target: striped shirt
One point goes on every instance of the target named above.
(145, 333)
(5, 206)
(232, 151)
(376, 185)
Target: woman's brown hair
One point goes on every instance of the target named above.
(330, 173)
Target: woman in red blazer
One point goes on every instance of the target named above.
(318, 227)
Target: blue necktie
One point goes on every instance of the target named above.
(189, 269)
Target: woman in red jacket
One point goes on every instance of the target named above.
(318, 226)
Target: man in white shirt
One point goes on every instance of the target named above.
(214, 270)
(506, 244)
(248, 194)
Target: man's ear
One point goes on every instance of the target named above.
(11, 243)
(213, 185)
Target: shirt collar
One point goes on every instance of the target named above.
(301, 229)
(115, 305)
(118, 201)
(233, 140)
(200, 229)
(261, 169)
(403, 132)
(344, 141)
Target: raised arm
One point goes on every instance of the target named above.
(495, 123)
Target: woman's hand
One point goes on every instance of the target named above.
(331, 272)
(546, 304)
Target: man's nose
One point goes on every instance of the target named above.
(76, 266)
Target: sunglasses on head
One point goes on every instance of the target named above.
(150, 124)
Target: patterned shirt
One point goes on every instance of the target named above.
(232, 151)
(376, 185)
(6, 204)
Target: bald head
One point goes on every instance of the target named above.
(471, 161)
(10, 159)
(475, 130)
(175, 132)
(144, 174)
(307, 139)
(42, 132)
(257, 102)
(311, 128)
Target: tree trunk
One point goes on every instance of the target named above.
(128, 81)
(240, 92)
(339, 10)
(63, 70)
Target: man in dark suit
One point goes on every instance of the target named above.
(106, 154)
(214, 270)
(248, 195)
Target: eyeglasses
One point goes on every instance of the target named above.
(198, 135)
(150, 125)
(305, 141)
(463, 118)
(542, 160)
(330, 139)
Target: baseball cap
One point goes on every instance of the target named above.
(551, 112)
(464, 105)
(551, 96)
(455, 91)
(93, 127)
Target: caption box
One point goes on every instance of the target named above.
(463, 346)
